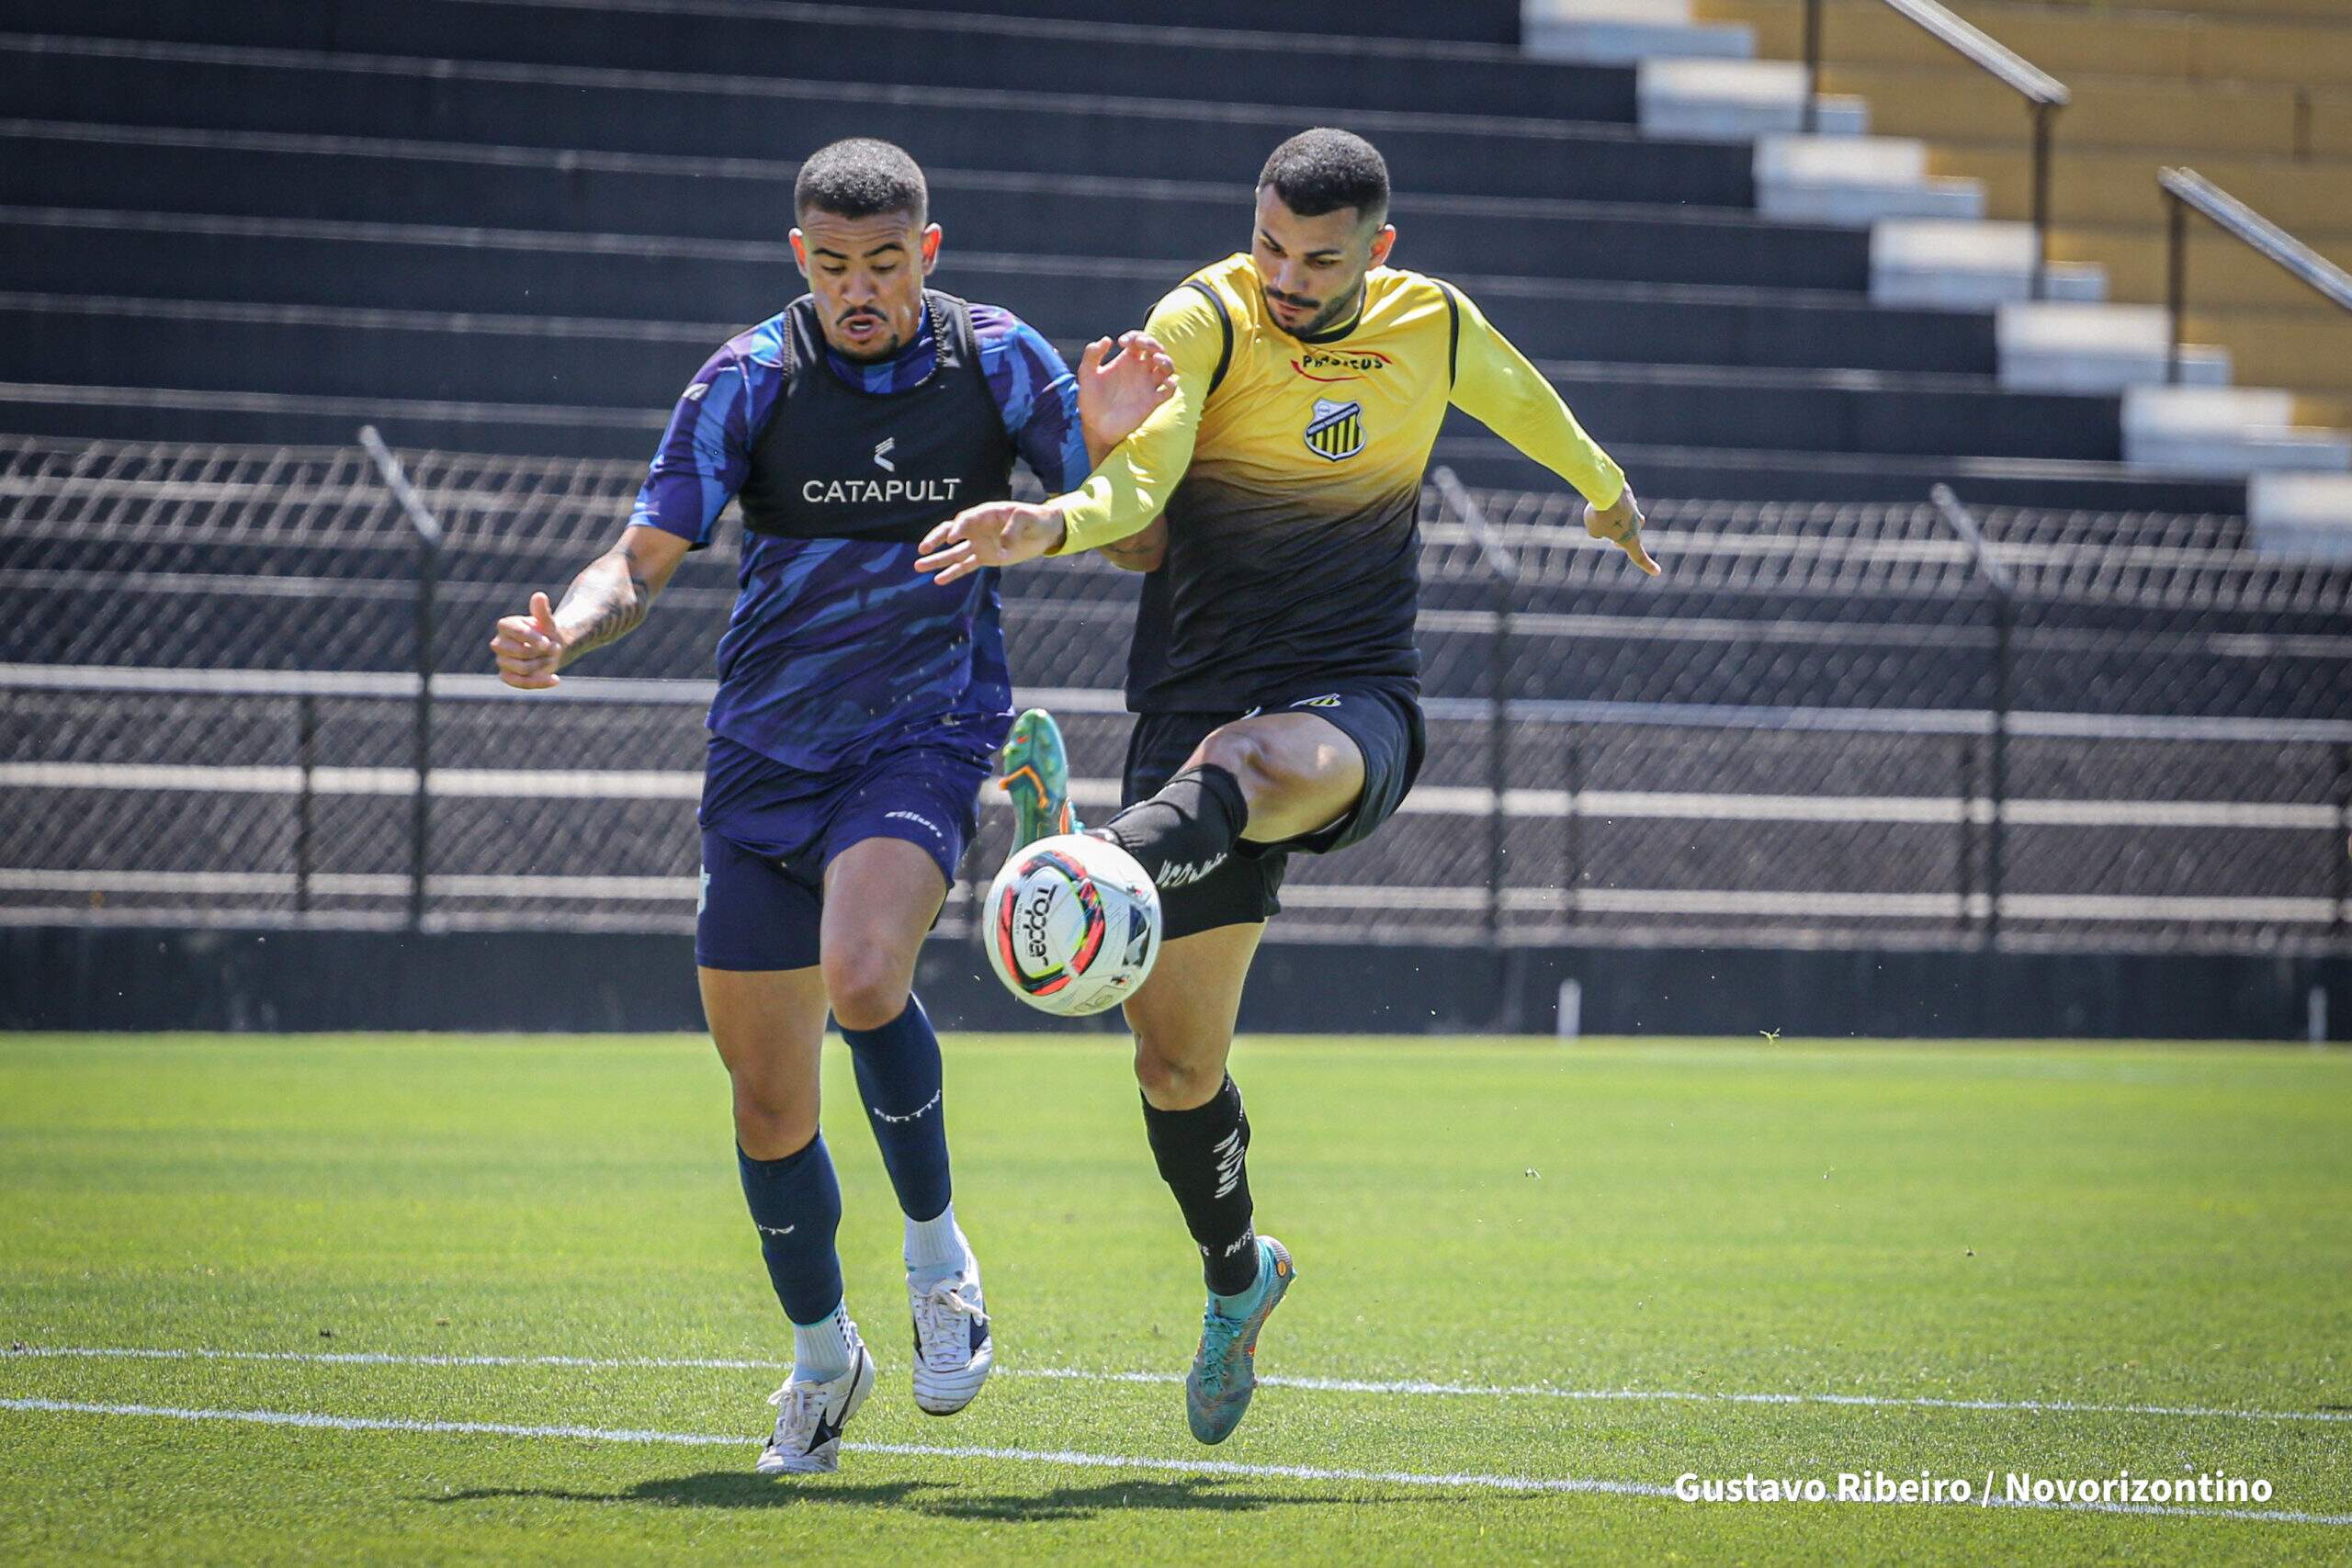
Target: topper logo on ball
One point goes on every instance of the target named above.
(1033, 920)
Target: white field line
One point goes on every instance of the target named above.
(1465, 1481)
(1409, 1386)
(738, 1440)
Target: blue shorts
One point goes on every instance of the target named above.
(769, 831)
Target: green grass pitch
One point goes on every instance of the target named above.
(2158, 1239)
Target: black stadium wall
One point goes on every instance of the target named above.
(93, 977)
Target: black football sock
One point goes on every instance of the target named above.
(1200, 1156)
(1186, 830)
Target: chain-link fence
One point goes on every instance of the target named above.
(1823, 724)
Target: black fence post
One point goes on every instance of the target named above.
(2175, 280)
(2042, 114)
(1811, 121)
(1571, 823)
(2001, 591)
(428, 574)
(1503, 574)
(1499, 658)
(306, 742)
(1997, 785)
(1964, 866)
(2340, 852)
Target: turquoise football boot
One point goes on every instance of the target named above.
(1036, 775)
(1225, 1369)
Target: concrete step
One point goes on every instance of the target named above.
(1735, 100)
(908, 47)
(2157, 411)
(556, 429)
(2308, 516)
(636, 365)
(1473, 21)
(1968, 266)
(2225, 431)
(690, 198)
(316, 263)
(1620, 32)
(2264, 452)
(1106, 135)
(1855, 180)
(1751, 474)
(2054, 345)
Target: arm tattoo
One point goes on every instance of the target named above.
(608, 599)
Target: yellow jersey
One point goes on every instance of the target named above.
(1289, 471)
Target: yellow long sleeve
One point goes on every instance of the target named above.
(1132, 484)
(1494, 383)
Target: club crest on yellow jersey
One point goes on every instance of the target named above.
(1335, 430)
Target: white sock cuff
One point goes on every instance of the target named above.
(935, 1243)
(822, 1350)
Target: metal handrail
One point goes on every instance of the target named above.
(2044, 96)
(2014, 71)
(2185, 188)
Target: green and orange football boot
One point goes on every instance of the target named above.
(1036, 775)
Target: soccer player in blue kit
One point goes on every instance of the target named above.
(860, 704)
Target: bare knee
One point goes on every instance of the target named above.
(1175, 1080)
(867, 986)
(1259, 768)
(772, 1117)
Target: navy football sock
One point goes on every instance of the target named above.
(1182, 833)
(899, 1079)
(796, 1203)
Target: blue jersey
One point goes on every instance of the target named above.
(838, 648)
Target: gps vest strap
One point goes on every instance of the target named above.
(834, 461)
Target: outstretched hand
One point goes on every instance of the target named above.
(1001, 532)
(1115, 395)
(1621, 523)
(529, 647)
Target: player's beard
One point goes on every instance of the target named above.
(1331, 315)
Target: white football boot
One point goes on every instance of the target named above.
(953, 1349)
(810, 1415)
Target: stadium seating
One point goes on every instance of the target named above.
(2255, 95)
(487, 232)
(515, 227)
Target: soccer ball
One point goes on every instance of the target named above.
(1073, 925)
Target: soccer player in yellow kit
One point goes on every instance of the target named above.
(1274, 501)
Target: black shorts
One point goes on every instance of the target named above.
(1383, 716)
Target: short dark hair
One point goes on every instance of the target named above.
(859, 178)
(1322, 170)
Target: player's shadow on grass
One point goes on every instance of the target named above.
(712, 1489)
(940, 1499)
(1209, 1493)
